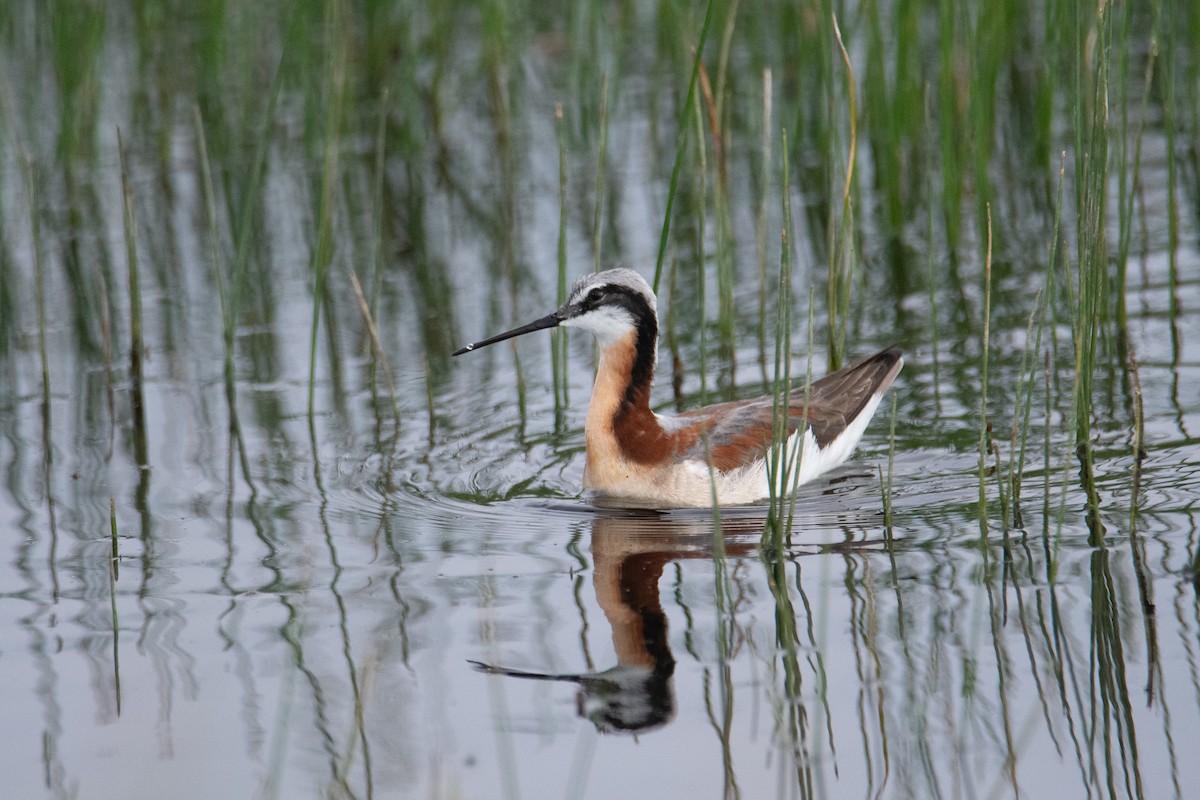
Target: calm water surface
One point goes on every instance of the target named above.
(403, 595)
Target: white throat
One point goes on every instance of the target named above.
(609, 324)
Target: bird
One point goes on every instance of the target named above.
(637, 458)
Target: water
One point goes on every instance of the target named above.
(360, 601)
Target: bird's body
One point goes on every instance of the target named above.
(638, 457)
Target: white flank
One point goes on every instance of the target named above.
(690, 483)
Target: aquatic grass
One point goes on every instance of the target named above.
(499, 214)
(989, 45)
(791, 717)
(597, 211)
(792, 720)
(719, 118)
(225, 299)
(932, 279)
(32, 181)
(1039, 318)
(355, 739)
(716, 111)
(723, 727)
(785, 456)
(114, 561)
(1037, 636)
(372, 236)
(136, 346)
(680, 138)
(422, 170)
(322, 253)
(430, 400)
(1129, 177)
(1137, 545)
(886, 485)
(865, 648)
(1091, 167)
(9, 299)
(378, 209)
(378, 354)
(775, 533)
(1023, 406)
(601, 170)
(1047, 456)
(998, 617)
(339, 762)
(794, 459)
(842, 252)
(891, 98)
(243, 191)
(499, 28)
(106, 343)
(558, 339)
(228, 298)
(952, 156)
(984, 355)
(723, 601)
(1002, 490)
(85, 212)
(701, 266)
(277, 742)
(1170, 130)
(76, 42)
(760, 217)
(1112, 723)
(1137, 439)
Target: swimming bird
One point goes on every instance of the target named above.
(637, 457)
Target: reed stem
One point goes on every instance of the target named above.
(984, 425)
(558, 340)
(682, 128)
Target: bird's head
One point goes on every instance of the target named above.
(608, 304)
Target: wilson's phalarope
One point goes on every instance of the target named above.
(638, 457)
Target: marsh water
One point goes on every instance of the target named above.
(260, 536)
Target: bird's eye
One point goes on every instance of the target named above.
(594, 295)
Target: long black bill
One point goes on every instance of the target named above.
(548, 321)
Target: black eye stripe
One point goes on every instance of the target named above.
(615, 295)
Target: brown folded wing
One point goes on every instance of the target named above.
(739, 432)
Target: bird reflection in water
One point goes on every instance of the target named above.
(629, 552)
